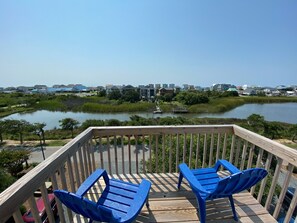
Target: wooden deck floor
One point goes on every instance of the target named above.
(169, 205)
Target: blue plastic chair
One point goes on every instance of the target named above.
(119, 202)
(207, 185)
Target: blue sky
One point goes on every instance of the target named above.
(148, 41)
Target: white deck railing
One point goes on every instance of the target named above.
(154, 149)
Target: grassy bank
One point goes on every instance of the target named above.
(11, 104)
(217, 105)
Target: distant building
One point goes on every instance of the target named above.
(171, 85)
(79, 88)
(39, 86)
(157, 86)
(147, 92)
(24, 89)
(163, 91)
(110, 87)
(222, 87)
(249, 92)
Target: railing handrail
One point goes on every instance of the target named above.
(158, 129)
(21, 190)
(284, 152)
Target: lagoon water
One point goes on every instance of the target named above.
(283, 112)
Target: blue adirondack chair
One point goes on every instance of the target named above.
(207, 185)
(119, 202)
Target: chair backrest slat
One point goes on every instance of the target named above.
(79, 205)
(238, 182)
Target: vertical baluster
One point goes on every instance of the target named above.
(85, 160)
(197, 150)
(156, 154)
(59, 205)
(92, 152)
(70, 174)
(108, 156)
(34, 210)
(243, 155)
(77, 175)
(191, 151)
(224, 146)
(237, 152)
(129, 154)
(283, 191)
(204, 150)
(211, 150)
(136, 153)
(259, 159)
(263, 182)
(273, 183)
(185, 148)
(123, 154)
(170, 154)
(163, 153)
(177, 153)
(218, 147)
(46, 203)
(116, 155)
(89, 153)
(291, 208)
(82, 171)
(232, 148)
(150, 152)
(64, 186)
(17, 216)
(251, 154)
(143, 155)
(101, 152)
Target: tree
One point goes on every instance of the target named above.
(191, 98)
(5, 180)
(101, 93)
(2, 130)
(12, 160)
(69, 124)
(272, 130)
(256, 122)
(131, 96)
(17, 126)
(113, 122)
(91, 122)
(115, 94)
(293, 131)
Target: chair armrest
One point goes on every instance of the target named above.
(232, 169)
(194, 183)
(91, 180)
(139, 199)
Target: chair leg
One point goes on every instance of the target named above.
(180, 178)
(147, 203)
(233, 208)
(202, 209)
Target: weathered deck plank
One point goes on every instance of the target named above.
(169, 205)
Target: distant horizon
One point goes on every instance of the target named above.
(137, 42)
(181, 85)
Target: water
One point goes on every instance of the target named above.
(283, 112)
